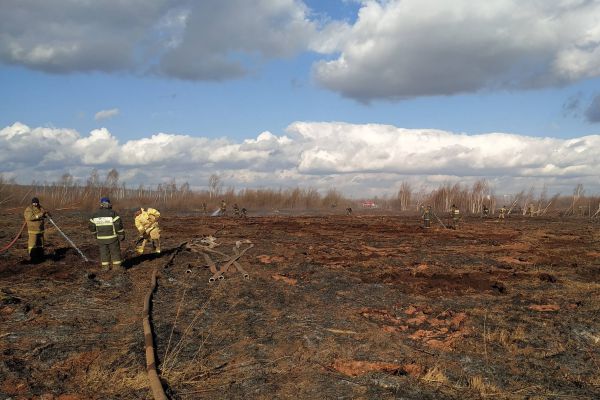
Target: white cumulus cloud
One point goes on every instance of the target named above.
(407, 48)
(356, 159)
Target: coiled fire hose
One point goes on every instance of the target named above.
(2, 250)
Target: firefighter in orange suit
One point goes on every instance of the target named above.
(108, 228)
(146, 222)
(34, 216)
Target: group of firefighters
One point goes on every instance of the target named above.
(107, 226)
(454, 215)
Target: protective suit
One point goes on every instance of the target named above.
(146, 222)
(455, 215)
(107, 226)
(34, 216)
(427, 217)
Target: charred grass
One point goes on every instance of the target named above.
(369, 307)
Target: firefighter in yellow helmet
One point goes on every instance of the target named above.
(146, 222)
(34, 216)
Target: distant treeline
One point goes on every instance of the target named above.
(70, 194)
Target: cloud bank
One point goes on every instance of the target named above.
(358, 160)
(409, 48)
(394, 49)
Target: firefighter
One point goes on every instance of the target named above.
(223, 208)
(108, 228)
(244, 213)
(486, 211)
(34, 216)
(204, 209)
(348, 210)
(427, 217)
(146, 222)
(455, 216)
(236, 210)
(502, 213)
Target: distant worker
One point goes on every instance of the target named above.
(502, 213)
(204, 209)
(348, 210)
(34, 216)
(485, 212)
(223, 208)
(244, 213)
(108, 228)
(146, 222)
(236, 210)
(455, 216)
(530, 211)
(426, 217)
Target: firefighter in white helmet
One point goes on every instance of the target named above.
(146, 222)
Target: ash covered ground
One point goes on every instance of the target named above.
(345, 307)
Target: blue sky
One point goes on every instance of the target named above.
(218, 74)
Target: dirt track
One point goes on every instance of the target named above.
(369, 306)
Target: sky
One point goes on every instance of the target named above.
(357, 96)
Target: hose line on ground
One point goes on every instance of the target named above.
(2, 250)
(155, 384)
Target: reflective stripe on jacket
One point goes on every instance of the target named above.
(106, 224)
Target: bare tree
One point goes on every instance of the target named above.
(404, 195)
(214, 186)
(66, 180)
(479, 192)
(112, 178)
(94, 178)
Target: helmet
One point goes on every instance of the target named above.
(105, 202)
(35, 200)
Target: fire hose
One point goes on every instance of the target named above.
(68, 240)
(229, 260)
(439, 220)
(155, 384)
(2, 250)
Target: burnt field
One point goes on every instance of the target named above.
(361, 307)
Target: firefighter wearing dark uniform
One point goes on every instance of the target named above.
(34, 216)
(108, 228)
(223, 208)
(236, 210)
(427, 217)
(455, 216)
